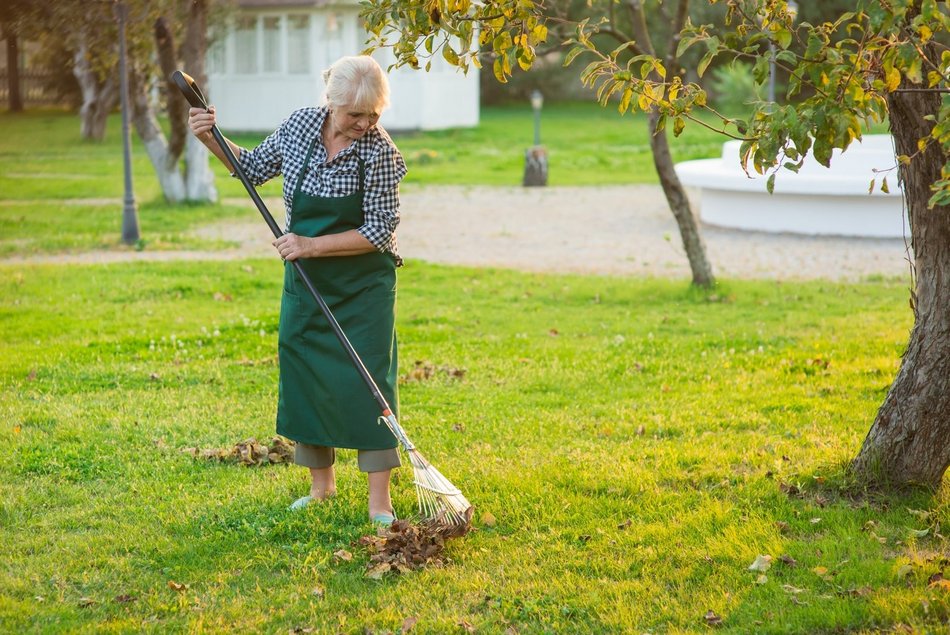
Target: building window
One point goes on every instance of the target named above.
(298, 44)
(217, 52)
(271, 44)
(245, 45)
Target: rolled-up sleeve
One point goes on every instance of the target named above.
(266, 160)
(381, 197)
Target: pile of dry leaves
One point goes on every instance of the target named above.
(423, 371)
(249, 452)
(403, 546)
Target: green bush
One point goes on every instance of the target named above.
(734, 88)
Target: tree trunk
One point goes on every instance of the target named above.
(13, 70)
(146, 125)
(909, 442)
(99, 96)
(199, 179)
(679, 205)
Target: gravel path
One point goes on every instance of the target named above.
(623, 230)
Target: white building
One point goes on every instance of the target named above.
(271, 60)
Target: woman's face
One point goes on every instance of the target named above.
(351, 122)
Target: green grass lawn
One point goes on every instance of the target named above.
(631, 446)
(634, 441)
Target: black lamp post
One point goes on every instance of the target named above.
(130, 220)
(536, 158)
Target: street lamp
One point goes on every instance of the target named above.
(792, 8)
(536, 157)
(130, 220)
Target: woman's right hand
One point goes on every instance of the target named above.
(200, 122)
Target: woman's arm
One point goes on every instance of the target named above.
(260, 164)
(348, 243)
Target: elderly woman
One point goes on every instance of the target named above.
(341, 191)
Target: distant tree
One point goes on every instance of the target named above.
(885, 60)
(515, 30)
(14, 20)
(180, 160)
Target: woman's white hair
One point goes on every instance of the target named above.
(357, 82)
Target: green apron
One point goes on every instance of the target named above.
(322, 398)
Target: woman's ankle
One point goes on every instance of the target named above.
(321, 494)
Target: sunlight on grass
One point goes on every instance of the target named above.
(635, 444)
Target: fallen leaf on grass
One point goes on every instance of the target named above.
(403, 546)
(85, 602)
(124, 598)
(781, 525)
(177, 586)
(712, 619)
(788, 588)
(408, 624)
(790, 490)
(466, 626)
(788, 560)
(904, 571)
(625, 524)
(343, 555)
(488, 519)
(318, 592)
(940, 584)
(378, 571)
(762, 579)
(761, 564)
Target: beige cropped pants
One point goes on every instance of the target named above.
(320, 457)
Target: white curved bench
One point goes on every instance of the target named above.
(815, 201)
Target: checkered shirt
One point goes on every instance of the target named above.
(284, 151)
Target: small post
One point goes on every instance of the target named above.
(130, 220)
(536, 157)
(792, 8)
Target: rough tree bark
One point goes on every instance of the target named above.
(199, 179)
(149, 131)
(662, 159)
(15, 100)
(196, 181)
(99, 94)
(907, 443)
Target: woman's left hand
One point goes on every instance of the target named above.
(291, 247)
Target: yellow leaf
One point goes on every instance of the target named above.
(893, 79)
(488, 519)
(925, 32)
(940, 584)
(822, 571)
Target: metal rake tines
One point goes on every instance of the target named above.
(438, 498)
